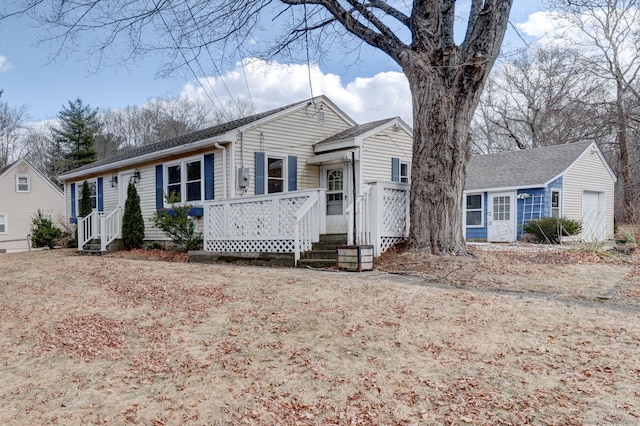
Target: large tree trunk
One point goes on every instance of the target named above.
(441, 151)
(630, 196)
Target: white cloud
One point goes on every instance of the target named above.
(272, 84)
(4, 64)
(539, 24)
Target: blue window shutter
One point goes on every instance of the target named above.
(292, 173)
(395, 169)
(159, 187)
(100, 195)
(208, 177)
(259, 172)
(73, 200)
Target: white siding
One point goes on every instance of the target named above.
(21, 207)
(292, 134)
(378, 150)
(588, 173)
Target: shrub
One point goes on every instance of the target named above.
(548, 230)
(132, 221)
(178, 226)
(85, 202)
(43, 232)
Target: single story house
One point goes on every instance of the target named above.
(23, 191)
(272, 182)
(505, 190)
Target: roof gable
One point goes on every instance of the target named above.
(7, 170)
(526, 168)
(353, 136)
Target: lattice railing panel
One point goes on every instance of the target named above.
(388, 242)
(250, 246)
(395, 211)
(287, 214)
(250, 219)
(215, 227)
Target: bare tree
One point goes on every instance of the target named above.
(445, 78)
(608, 35)
(12, 125)
(541, 97)
(162, 118)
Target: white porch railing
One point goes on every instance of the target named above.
(110, 228)
(97, 225)
(382, 216)
(88, 228)
(281, 223)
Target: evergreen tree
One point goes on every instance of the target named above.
(74, 140)
(132, 221)
(85, 201)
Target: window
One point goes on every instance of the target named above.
(184, 181)
(335, 185)
(502, 208)
(405, 171)
(93, 196)
(474, 211)
(23, 184)
(555, 204)
(275, 175)
(3, 223)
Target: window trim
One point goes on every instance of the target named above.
(6, 226)
(18, 177)
(285, 172)
(182, 162)
(481, 210)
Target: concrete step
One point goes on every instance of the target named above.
(336, 239)
(319, 254)
(316, 263)
(260, 259)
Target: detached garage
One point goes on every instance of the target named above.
(503, 191)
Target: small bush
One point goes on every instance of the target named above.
(178, 226)
(548, 230)
(43, 232)
(132, 221)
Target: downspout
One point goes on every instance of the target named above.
(232, 172)
(224, 169)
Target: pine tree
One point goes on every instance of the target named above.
(132, 221)
(74, 139)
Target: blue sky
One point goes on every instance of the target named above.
(28, 78)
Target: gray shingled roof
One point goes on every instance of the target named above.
(181, 140)
(525, 168)
(354, 132)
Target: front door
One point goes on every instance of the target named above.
(501, 216)
(334, 178)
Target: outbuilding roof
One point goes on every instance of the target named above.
(526, 168)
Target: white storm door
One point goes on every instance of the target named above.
(501, 214)
(593, 224)
(334, 178)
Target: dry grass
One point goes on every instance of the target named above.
(112, 340)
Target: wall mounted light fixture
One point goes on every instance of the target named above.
(135, 177)
(114, 181)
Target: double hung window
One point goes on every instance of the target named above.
(23, 184)
(473, 207)
(184, 181)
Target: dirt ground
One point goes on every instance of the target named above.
(506, 337)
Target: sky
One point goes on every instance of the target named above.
(370, 90)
